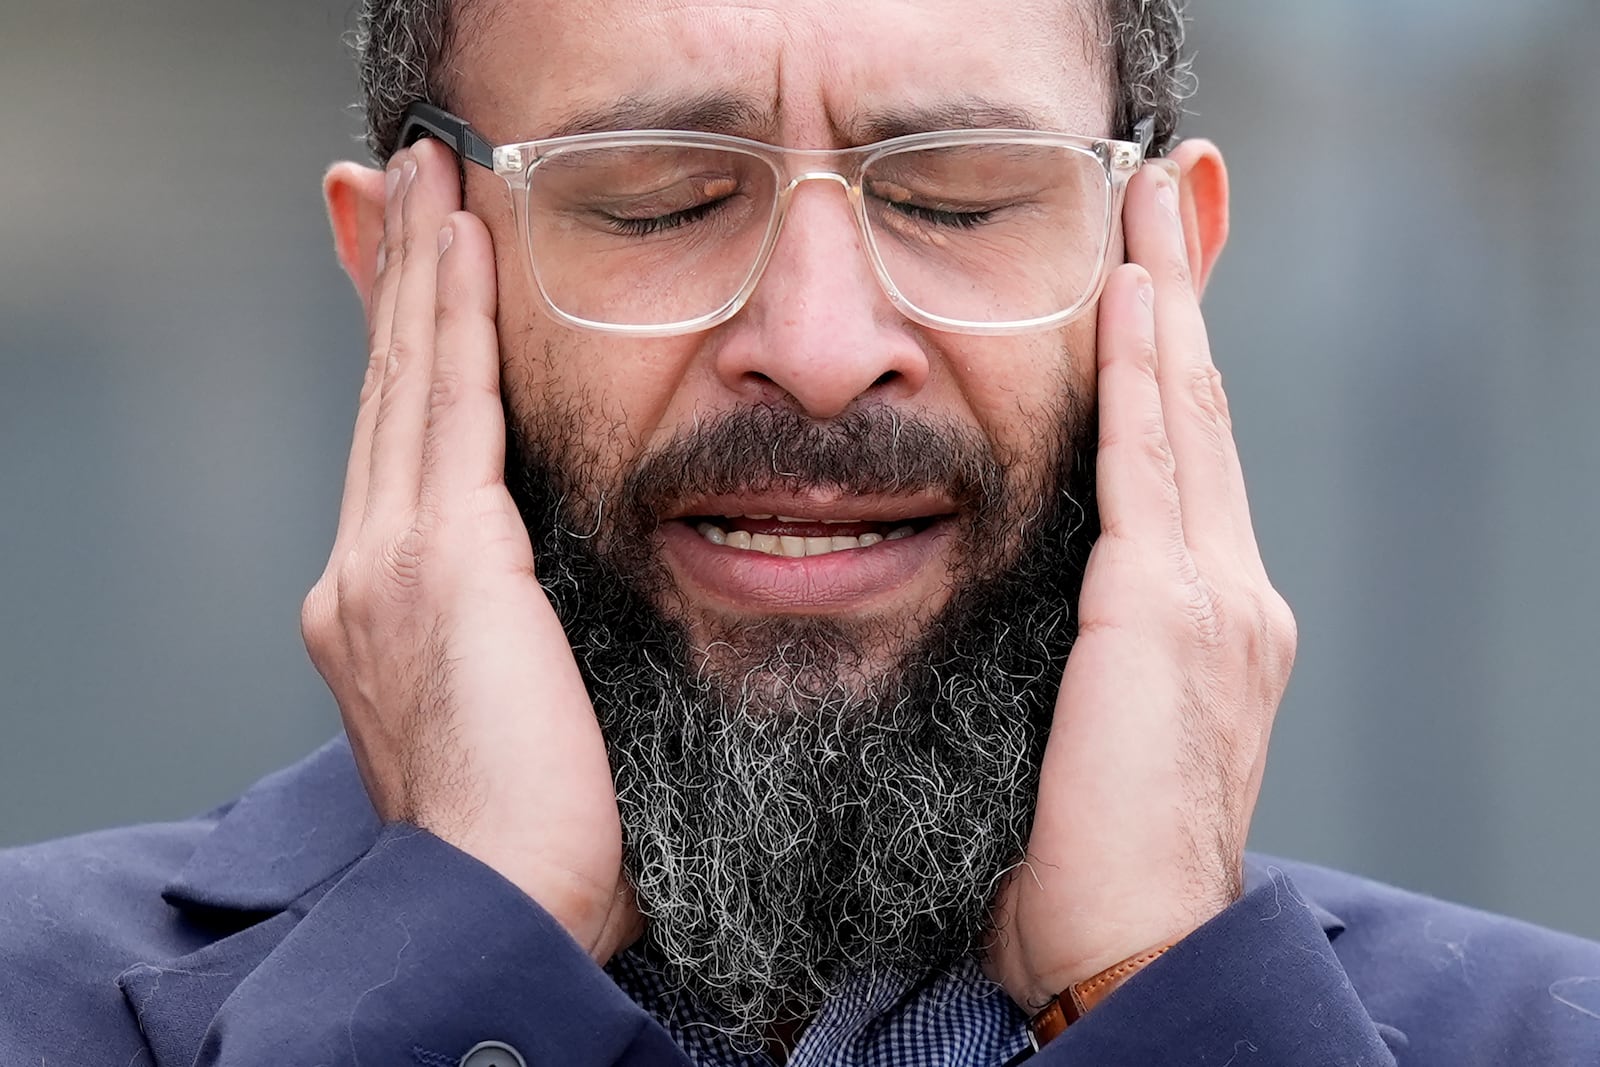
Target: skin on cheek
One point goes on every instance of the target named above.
(1018, 389)
(597, 399)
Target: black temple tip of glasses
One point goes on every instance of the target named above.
(425, 120)
(1144, 132)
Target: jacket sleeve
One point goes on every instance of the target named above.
(419, 954)
(1258, 984)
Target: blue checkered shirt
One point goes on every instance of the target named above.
(950, 1018)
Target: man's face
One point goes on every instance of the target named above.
(818, 337)
(857, 732)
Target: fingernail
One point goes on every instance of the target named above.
(446, 235)
(1147, 292)
(408, 170)
(391, 180)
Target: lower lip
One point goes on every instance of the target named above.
(850, 579)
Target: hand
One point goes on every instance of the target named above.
(1184, 648)
(457, 686)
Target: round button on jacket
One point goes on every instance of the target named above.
(492, 1054)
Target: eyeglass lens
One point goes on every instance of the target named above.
(655, 234)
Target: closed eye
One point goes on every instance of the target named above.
(960, 220)
(654, 224)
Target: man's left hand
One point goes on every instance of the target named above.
(1184, 648)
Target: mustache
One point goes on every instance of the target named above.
(870, 450)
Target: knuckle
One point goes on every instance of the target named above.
(1202, 612)
(451, 388)
(1272, 635)
(1205, 388)
(1282, 630)
(1219, 399)
(400, 562)
(397, 359)
(389, 252)
(444, 391)
(381, 575)
(1155, 448)
(1178, 267)
(377, 355)
(379, 580)
(1145, 354)
(1115, 532)
(317, 613)
(1144, 440)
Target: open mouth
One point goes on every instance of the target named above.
(796, 537)
(821, 551)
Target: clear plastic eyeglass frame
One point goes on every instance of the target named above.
(515, 163)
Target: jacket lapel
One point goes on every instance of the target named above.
(270, 857)
(291, 831)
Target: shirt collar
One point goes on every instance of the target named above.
(951, 1015)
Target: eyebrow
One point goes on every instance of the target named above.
(960, 113)
(710, 112)
(724, 112)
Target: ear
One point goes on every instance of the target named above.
(355, 199)
(1204, 202)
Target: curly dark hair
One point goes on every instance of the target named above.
(404, 47)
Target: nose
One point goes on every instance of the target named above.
(818, 326)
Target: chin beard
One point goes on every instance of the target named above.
(804, 800)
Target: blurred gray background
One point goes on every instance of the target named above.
(1406, 318)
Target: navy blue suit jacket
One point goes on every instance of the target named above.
(291, 929)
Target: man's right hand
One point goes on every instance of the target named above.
(455, 680)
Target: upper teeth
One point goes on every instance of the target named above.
(795, 547)
(796, 519)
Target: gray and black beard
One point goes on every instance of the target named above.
(805, 800)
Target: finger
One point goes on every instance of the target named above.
(1216, 514)
(1134, 468)
(395, 469)
(464, 443)
(380, 312)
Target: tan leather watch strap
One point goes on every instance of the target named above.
(1073, 1003)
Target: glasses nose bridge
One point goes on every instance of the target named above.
(823, 175)
(794, 179)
